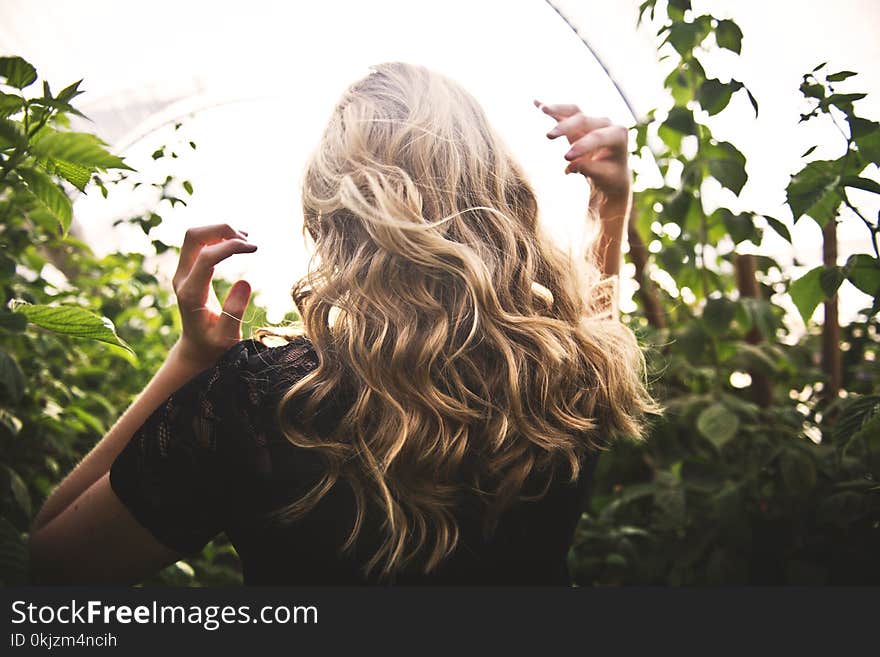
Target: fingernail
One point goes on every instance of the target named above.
(552, 134)
(570, 155)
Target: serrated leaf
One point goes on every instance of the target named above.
(78, 148)
(11, 134)
(50, 195)
(814, 192)
(18, 72)
(806, 293)
(74, 321)
(76, 175)
(717, 424)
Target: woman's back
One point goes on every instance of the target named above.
(213, 459)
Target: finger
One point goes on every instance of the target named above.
(614, 138)
(198, 237)
(196, 286)
(576, 126)
(229, 324)
(559, 111)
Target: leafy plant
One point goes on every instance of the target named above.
(764, 469)
(80, 335)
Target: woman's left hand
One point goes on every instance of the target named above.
(208, 328)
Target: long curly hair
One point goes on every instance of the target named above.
(475, 354)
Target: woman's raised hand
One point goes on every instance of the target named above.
(209, 329)
(598, 149)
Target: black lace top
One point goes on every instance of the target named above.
(212, 459)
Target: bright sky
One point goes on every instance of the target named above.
(261, 78)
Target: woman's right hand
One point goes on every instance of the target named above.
(599, 151)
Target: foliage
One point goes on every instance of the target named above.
(773, 482)
(80, 335)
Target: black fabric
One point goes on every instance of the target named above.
(212, 458)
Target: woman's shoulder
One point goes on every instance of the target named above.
(267, 365)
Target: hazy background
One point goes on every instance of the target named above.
(254, 82)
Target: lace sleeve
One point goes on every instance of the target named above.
(180, 474)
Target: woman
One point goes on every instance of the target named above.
(438, 420)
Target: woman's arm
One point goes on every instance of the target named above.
(599, 152)
(83, 532)
(175, 371)
(613, 217)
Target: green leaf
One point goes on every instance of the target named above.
(717, 424)
(714, 95)
(13, 322)
(78, 148)
(676, 208)
(830, 279)
(727, 164)
(740, 227)
(50, 195)
(806, 293)
(10, 104)
(814, 191)
(862, 183)
(681, 120)
(780, 228)
(753, 101)
(70, 92)
(859, 127)
(14, 497)
(11, 135)
(18, 72)
(187, 185)
(729, 36)
(869, 146)
(718, 313)
(74, 321)
(759, 315)
(863, 271)
(11, 377)
(76, 175)
(841, 76)
(684, 37)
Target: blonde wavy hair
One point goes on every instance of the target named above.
(474, 352)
